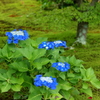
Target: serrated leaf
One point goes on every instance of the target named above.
(85, 86)
(62, 75)
(66, 86)
(3, 77)
(14, 80)
(87, 91)
(10, 72)
(16, 87)
(57, 96)
(95, 82)
(5, 87)
(27, 51)
(20, 66)
(35, 96)
(72, 60)
(65, 94)
(38, 53)
(90, 74)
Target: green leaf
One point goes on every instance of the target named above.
(62, 75)
(35, 96)
(65, 94)
(5, 87)
(38, 63)
(27, 51)
(3, 77)
(20, 66)
(41, 39)
(72, 60)
(83, 73)
(78, 62)
(85, 86)
(5, 51)
(38, 53)
(16, 87)
(65, 85)
(95, 82)
(90, 74)
(57, 96)
(70, 75)
(14, 80)
(10, 72)
(62, 59)
(3, 71)
(17, 96)
(87, 91)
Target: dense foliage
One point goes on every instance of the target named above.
(43, 74)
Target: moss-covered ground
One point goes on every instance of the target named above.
(27, 15)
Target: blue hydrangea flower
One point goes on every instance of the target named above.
(60, 43)
(45, 81)
(16, 35)
(61, 66)
(46, 45)
(52, 45)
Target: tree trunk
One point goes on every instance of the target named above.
(82, 32)
(83, 26)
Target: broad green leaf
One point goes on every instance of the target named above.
(62, 59)
(85, 86)
(5, 87)
(5, 51)
(71, 98)
(95, 82)
(20, 66)
(70, 75)
(17, 96)
(35, 96)
(41, 39)
(34, 43)
(58, 87)
(83, 72)
(74, 91)
(72, 60)
(14, 80)
(38, 63)
(16, 87)
(65, 94)
(87, 91)
(62, 75)
(27, 51)
(3, 77)
(38, 53)
(68, 59)
(10, 72)
(56, 96)
(78, 62)
(65, 86)
(3, 71)
(90, 74)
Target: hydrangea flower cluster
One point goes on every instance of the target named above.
(60, 44)
(16, 35)
(45, 81)
(61, 66)
(52, 45)
(47, 45)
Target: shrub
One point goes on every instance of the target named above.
(43, 73)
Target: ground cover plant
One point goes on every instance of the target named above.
(90, 54)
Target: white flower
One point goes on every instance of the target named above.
(17, 33)
(47, 79)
